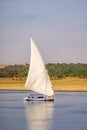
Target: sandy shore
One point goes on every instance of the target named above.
(66, 84)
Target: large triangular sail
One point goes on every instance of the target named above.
(38, 79)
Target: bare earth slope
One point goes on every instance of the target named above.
(65, 84)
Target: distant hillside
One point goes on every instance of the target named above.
(4, 65)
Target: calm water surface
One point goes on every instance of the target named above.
(68, 112)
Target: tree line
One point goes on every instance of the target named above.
(55, 70)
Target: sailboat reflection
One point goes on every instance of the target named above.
(39, 115)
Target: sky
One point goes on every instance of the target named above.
(59, 28)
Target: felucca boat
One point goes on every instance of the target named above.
(38, 79)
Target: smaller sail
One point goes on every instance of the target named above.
(38, 79)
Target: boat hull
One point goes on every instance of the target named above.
(38, 99)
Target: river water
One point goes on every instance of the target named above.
(67, 112)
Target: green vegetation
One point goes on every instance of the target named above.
(55, 71)
(14, 71)
(67, 70)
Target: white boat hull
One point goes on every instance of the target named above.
(38, 99)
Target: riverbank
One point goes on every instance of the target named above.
(70, 84)
(65, 84)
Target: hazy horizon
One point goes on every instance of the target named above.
(59, 28)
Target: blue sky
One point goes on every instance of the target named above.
(59, 28)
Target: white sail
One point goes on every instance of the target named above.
(38, 79)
